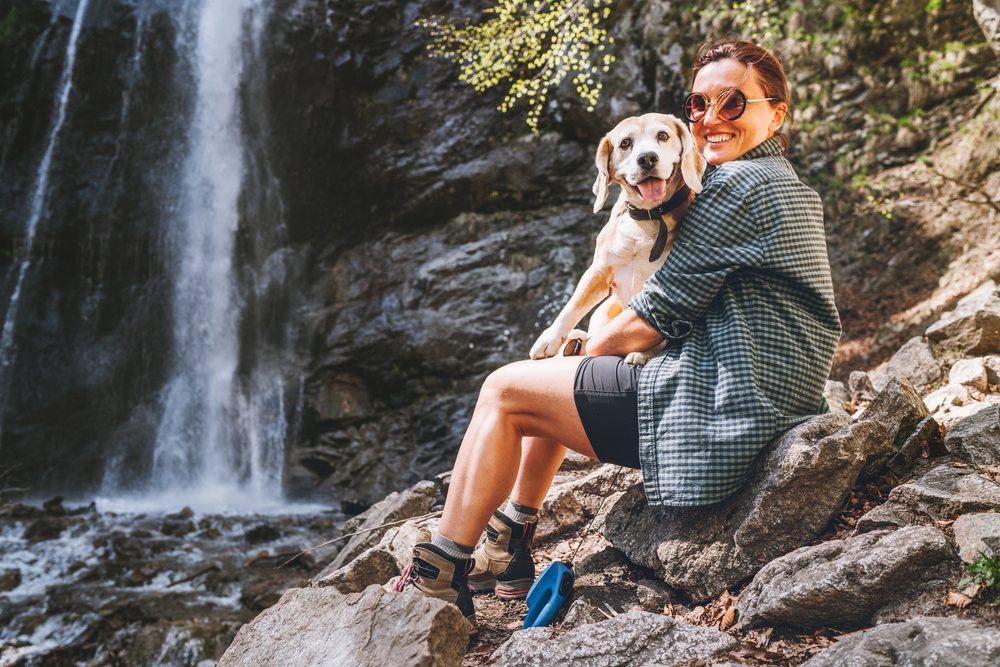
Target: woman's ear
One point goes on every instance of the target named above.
(603, 162)
(692, 162)
(778, 119)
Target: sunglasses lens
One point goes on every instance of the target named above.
(732, 105)
(695, 107)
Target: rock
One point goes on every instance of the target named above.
(260, 533)
(397, 506)
(974, 326)
(915, 362)
(652, 595)
(373, 566)
(920, 642)
(836, 394)
(581, 612)
(899, 409)
(840, 583)
(977, 534)
(183, 515)
(177, 528)
(970, 373)
(571, 504)
(977, 437)
(319, 626)
(861, 387)
(987, 13)
(949, 415)
(794, 489)
(992, 364)
(927, 440)
(44, 529)
(941, 495)
(945, 397)
(632, 638)
(10, 578)
(54, 506)
(576, 461)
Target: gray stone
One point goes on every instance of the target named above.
(992, 363)
(926, 440)
(974, 326)
(915, 362)
(581, 612)
(860, 386)
(840, 583)
(576, 461)
(970, 373)
(941, 495)
(900, 410)
(318, 626)
(396, 507)
(10, 578)
(795, 487)
(987, 13)
(373, 566)
(836, 394)
(633, 638)
(976, 535)
(920, 642)
(570, 505)
(977, 438)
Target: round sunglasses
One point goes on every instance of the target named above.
(730, 105)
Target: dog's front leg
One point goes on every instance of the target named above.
(640, 358)
(593, 286)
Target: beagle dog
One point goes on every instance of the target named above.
(654, 160)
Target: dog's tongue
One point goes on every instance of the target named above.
(652, 189)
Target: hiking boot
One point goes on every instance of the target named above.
(503, 560)
(438, 575)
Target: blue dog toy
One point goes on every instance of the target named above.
(548, 594)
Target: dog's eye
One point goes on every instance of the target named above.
(662, 135)
(625, 144)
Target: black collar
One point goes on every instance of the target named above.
(666, 207)
(657, 214)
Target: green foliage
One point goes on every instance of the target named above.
(7, 26)
(932, 6)
(530, 46)
(985, 570)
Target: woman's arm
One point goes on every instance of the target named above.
(625, 333)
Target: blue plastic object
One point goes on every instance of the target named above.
(548, 594)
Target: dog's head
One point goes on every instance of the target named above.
(648, 156)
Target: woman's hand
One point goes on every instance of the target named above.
(623, 334)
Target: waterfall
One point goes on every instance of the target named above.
(221, 436)
(7, 348)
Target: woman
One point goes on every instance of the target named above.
(744, 299)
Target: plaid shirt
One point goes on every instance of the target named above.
(746, 300)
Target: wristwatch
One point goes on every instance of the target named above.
(572, 347)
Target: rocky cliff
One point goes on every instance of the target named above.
(398, 238)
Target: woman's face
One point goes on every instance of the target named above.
(721, 140)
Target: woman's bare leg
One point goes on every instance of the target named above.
(526, 399)
(540, 459)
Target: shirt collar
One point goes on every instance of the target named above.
(770, 146)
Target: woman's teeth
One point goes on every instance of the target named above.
(719, 138)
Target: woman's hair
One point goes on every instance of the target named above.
(770, 73)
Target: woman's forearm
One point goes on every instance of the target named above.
(625, 333)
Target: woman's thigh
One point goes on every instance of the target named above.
(537, 396)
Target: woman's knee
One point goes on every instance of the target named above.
(500, 388)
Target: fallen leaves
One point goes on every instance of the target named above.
(865, 497)
(963, 598)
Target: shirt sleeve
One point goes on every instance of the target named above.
(721, 233)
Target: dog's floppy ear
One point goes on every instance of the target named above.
(692, 162)
(603, 162)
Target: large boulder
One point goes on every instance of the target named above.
(920, 642)
(796, 486)
(371, 525)
(840, 583)
(941, 495)
(977, 535)
(315, 627)
(974, 326)
(569, 505)
(633, 638)
(977, 437)
(916, 362)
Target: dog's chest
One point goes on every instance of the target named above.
(629, 256)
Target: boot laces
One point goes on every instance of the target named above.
(410, 575)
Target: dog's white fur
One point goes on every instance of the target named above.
(621, 261)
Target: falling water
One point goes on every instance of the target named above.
(7, 351)
(221, 437)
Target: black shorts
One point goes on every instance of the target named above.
(605, 394)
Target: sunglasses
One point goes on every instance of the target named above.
(730, 105)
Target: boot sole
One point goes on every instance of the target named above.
(514, 590)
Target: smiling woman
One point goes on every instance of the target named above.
(744, 305)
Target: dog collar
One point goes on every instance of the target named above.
(657, 214)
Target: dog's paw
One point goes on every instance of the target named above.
(637, 358)
(547, 345)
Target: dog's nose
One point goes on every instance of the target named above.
(647, 160)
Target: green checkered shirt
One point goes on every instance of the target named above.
(749, 278)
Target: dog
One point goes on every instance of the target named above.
(654, 160)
